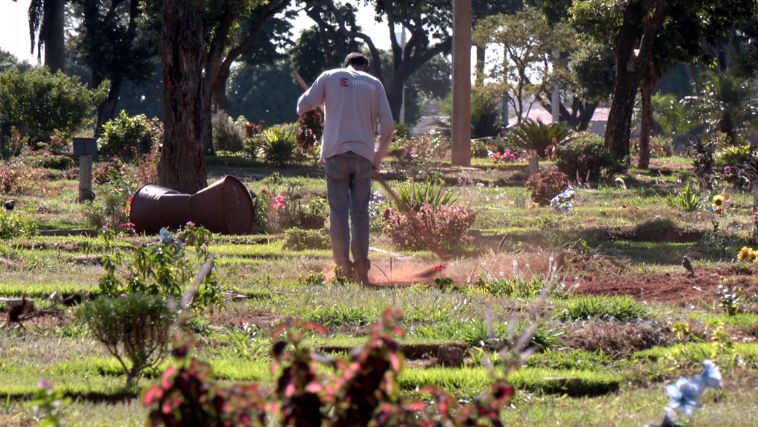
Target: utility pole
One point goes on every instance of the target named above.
(461, 120)
(555, 99)
(403, 42)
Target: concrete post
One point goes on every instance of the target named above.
(555, 98)
(85, 178)
(461, 120)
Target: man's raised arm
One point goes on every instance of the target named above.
(312, 98)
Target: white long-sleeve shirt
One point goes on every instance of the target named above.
(356, 110)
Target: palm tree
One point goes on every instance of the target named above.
(46, 20)
(536, 138)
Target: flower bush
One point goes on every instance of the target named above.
(443, 227)
(505, 156)
(363, 392)
(546, 184)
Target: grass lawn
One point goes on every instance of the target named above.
(624, 319)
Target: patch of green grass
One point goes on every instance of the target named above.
(475, 332)
(44, 290)
(739, 320)
(631, 407)
(612, 308)
(569, 359)
(698, 352)
(459, 381)
(571, 382)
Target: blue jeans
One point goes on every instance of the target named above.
(348, 184)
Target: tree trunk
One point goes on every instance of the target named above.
(54, 40)
(182, 166)
(395, 95)
(534, 163)
(219, 90)
(206, 120)
(481, 52)
(646, 121)
(630, 66)
(107, 109)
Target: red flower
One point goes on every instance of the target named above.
(439, 267)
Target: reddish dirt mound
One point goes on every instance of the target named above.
(672, 288)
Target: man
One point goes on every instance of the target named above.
(355, 111)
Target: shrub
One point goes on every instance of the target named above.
(111, 207)
(442, 228)
(413, 195)
(616, 308)
(134, 327)
(254, 144)
(546, 184)
(280, 144)
(278, 210)
(162, 268)
(47, 103)
(228, 134)
(50, 161)
(21, 179)
(738, 165)
(126, 136)
(147, 166)
(297, 239)
(687, 198)
(519, 287)
(585, 157)
(16, 225)
(416, 155)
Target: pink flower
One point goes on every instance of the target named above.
(190, 224)
(44, 384)
(279, 202)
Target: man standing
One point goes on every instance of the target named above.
(356, 110)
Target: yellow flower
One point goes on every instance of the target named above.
(745, 254)
(718, 201)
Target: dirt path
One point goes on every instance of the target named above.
(673, 288)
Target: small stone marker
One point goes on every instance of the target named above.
(85, 149)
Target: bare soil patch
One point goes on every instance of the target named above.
(672, 288)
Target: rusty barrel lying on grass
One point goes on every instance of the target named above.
(223, 207)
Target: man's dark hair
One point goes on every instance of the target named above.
(356, 59)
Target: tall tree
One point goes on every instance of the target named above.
(226, 40)
(46, 29)
(635, 28)
(182, 166)
(528, 40)
(117, 40)
(427, 23)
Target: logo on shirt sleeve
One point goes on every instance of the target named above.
(344, 82)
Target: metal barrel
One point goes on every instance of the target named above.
(224, 207)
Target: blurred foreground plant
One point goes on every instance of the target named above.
(364, 390)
